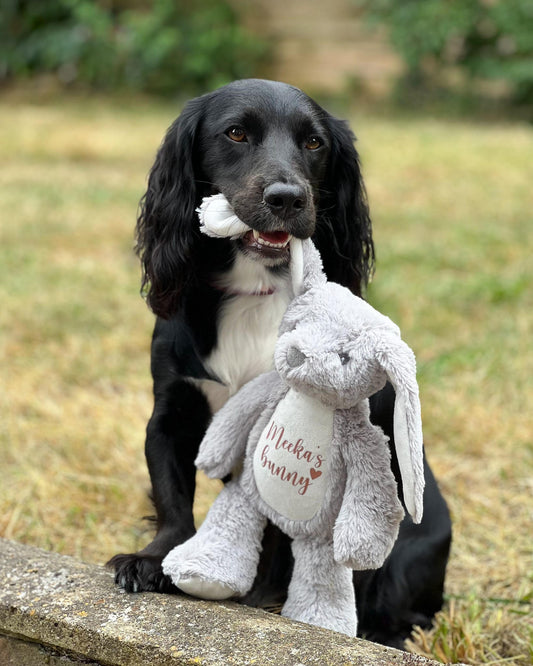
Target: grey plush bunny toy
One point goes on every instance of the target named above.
(313, 463)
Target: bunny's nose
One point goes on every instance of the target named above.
(295, 357)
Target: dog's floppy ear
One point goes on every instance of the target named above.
(167, 223)
(344, 230)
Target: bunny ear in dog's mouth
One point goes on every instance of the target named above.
(218, 219)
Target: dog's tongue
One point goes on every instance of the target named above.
(275, 236)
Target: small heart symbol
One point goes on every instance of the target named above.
(314, 473)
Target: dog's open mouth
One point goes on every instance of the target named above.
(275, 239)
(269, 244)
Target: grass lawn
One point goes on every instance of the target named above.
(452, 205)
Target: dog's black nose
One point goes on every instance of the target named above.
(285, 199)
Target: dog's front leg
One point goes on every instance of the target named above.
(180, 418)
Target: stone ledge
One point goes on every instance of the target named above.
(55, 609)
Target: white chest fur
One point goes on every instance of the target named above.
(248, 323)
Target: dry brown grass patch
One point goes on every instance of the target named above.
(452, 216)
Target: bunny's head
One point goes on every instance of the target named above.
(336, 348)
(330, 350)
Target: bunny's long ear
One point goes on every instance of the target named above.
(399, 363)
(306, 266)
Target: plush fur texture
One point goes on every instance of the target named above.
(286, 165)
(314, 465)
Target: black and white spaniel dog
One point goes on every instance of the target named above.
(288, 168)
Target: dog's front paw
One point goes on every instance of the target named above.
(137, 572)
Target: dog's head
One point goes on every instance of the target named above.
(265, 147)
(286, 166)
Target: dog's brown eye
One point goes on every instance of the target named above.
(312, 143)
(237, 134)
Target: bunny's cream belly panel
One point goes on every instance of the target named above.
(292, 458)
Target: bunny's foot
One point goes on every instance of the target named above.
(209, 570)
(321, 591)
(220, 560)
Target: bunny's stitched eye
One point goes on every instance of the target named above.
(344, 358)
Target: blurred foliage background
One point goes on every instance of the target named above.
(183, 47)
(160, 47)
(486, 39)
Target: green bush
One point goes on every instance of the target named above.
(171, 46)
(490, 39)
(176, 44)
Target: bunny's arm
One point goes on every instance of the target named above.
(224, 443)
(370, 515)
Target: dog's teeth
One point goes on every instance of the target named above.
(263, 241)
